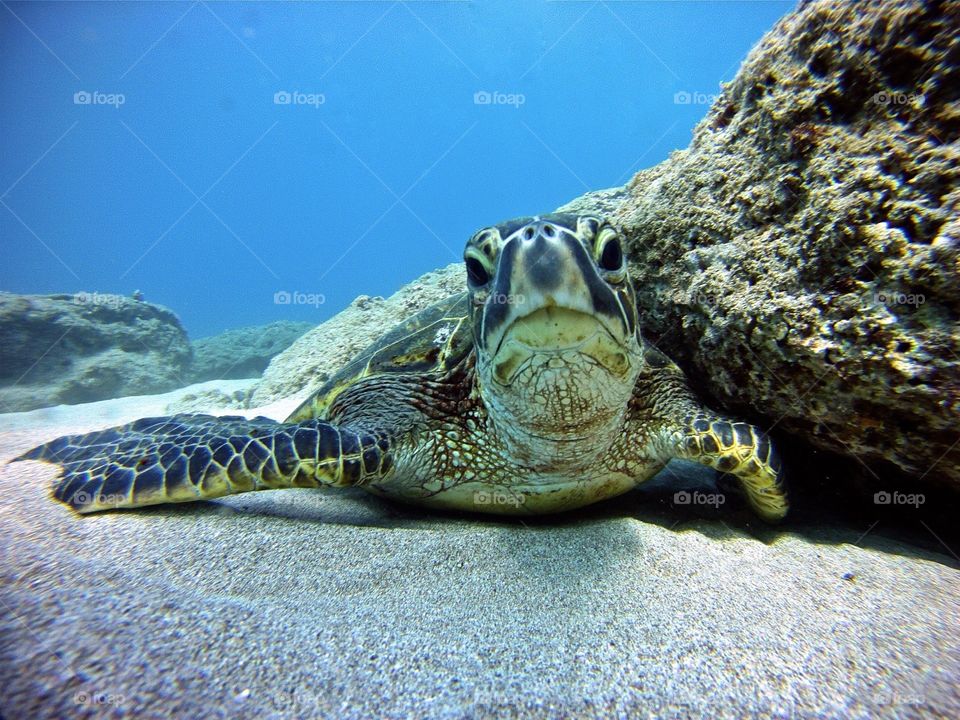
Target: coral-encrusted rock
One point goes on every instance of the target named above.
(79, 348)
(802, 258)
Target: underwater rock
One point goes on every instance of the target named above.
(315, 357)
(242, 352)
(801, 259)
(84, 347)
(205, 399)
(599, 202)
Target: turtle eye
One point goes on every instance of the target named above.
(611, 254)
(476, 273)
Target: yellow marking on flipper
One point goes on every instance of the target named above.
(735, 448)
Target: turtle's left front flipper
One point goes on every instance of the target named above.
(184, 458)
(744, 451)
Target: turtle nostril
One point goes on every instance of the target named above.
(549, 230)
(528, 233)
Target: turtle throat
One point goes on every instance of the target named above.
(557, 386)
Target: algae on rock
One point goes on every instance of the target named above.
(801, 259)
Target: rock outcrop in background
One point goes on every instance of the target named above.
(242, 352)
(801, 259)
(84, 347)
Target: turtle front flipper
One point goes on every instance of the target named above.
(183, 458)
(744, 451)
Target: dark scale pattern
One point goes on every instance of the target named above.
(222, 454)
(149, 482)
(177, 470)
(306, 441)
(285, 454)
(351, 471)
(371, 460)
(349, 444)
(724, 432)
(200, 459)
(744, 436)
(192, 457)
(235, 468)
(254, 456)
(70, 485)
(117, 480)
(329, 442)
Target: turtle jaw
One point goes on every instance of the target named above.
(552, 334)
(558, 375)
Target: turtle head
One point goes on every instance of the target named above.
(554, 322)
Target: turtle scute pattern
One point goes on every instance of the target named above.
(190, 457)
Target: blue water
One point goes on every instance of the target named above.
(145, 146)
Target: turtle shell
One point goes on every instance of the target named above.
(432, 341)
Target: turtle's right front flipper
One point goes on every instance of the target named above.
(195, 457)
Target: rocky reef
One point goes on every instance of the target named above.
(84, 347)
(801, 259)
(242, 352)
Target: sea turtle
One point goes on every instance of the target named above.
(531, 392)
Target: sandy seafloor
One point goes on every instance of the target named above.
(315, 603)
